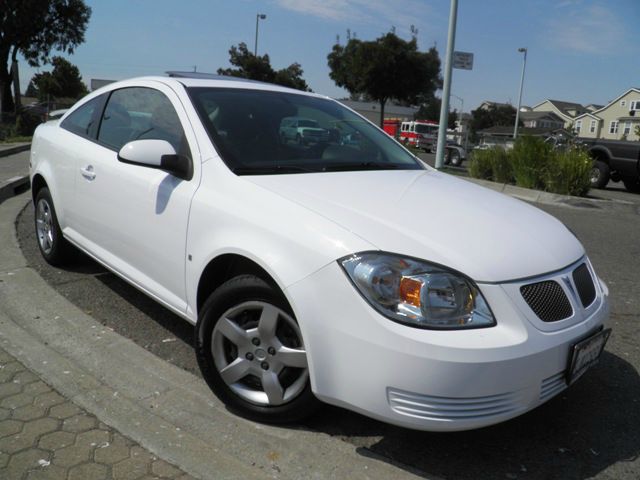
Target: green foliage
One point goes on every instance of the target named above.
(530, 160)
(26, 124)
(385, 68)
(501, 167)
(569, 172)
(492, 116)
(532, 163)
(481, 164)
(63, 81)
(31, 90)
(258, 67)
(430, 110)
(35, 28)
(637, 130)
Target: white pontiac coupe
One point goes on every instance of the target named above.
(338, 271)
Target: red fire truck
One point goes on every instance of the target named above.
(419, 132)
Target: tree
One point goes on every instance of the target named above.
(385, 68)
(258, 67)
(430, 110)
(31, 90)
(493, 115)
(63, 81)
(33, 28)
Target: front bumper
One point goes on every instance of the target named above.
(429, 379)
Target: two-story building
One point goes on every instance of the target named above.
(615, 121)
(567, 111)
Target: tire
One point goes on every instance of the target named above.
(51, 243)
(454, 158)
(600, 174)
(299, 139)
(247, 334)
(632, 184)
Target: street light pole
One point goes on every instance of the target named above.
(444, 109)
(259, 16)
(524, 64)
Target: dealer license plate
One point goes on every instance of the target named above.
(585, 354)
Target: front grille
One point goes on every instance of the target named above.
(547, 300)
(584, 285)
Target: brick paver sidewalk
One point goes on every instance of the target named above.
(45, 436)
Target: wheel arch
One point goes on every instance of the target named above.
(600, 153)
(37, 183)
(226, 266)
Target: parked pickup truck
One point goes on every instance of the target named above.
(616, 160)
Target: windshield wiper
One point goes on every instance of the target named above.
(272, 169)
(359, 166)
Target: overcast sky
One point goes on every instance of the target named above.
(587, 51)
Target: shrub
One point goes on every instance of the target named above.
(569, 172)
(26, 124)
(481, 165)
(501, 165)
(530, 160)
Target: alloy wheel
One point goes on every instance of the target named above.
(44, 226)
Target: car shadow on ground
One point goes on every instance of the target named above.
(589, 428)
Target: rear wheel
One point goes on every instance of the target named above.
(455, 158)
(632, 184)
(251, 353)
(53, 247)
(600, 174)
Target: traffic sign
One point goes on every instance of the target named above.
(463, 60)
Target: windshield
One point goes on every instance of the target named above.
(426, 128)
(257, 132)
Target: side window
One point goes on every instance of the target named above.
(81, 121)
(139, 113)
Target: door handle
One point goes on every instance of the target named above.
(88, 173)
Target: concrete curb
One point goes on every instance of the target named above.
(14, 186)
(547, 198)
(21, 147)
(168, 411)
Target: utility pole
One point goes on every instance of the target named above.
(259, 16)
(444, 109)
(524, 64)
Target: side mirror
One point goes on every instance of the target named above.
(158, 154)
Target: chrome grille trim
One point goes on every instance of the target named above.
(443, 408)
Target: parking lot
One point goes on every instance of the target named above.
(591, 430)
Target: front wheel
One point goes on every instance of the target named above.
(52, 245)
(600, 174)
(251, 353)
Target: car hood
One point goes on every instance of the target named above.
(436, 217)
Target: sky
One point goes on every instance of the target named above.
(585, 51)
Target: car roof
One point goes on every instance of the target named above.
(199, 79)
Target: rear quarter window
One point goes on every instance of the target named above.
(81, 120)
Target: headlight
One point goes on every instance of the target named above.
(417, 293)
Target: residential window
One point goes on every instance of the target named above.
(613, 127)
(634, 105)
(592, 127)
(578, 126)
(623, 103)
(627, 128)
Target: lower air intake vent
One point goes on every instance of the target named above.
(450, 409)
(547, 300)
(584, 285)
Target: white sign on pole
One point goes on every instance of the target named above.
(463, 60)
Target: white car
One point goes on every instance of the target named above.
(347, 274)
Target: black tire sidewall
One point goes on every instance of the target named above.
(235, 291)
(604, 176)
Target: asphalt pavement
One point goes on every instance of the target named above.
(592, 430)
